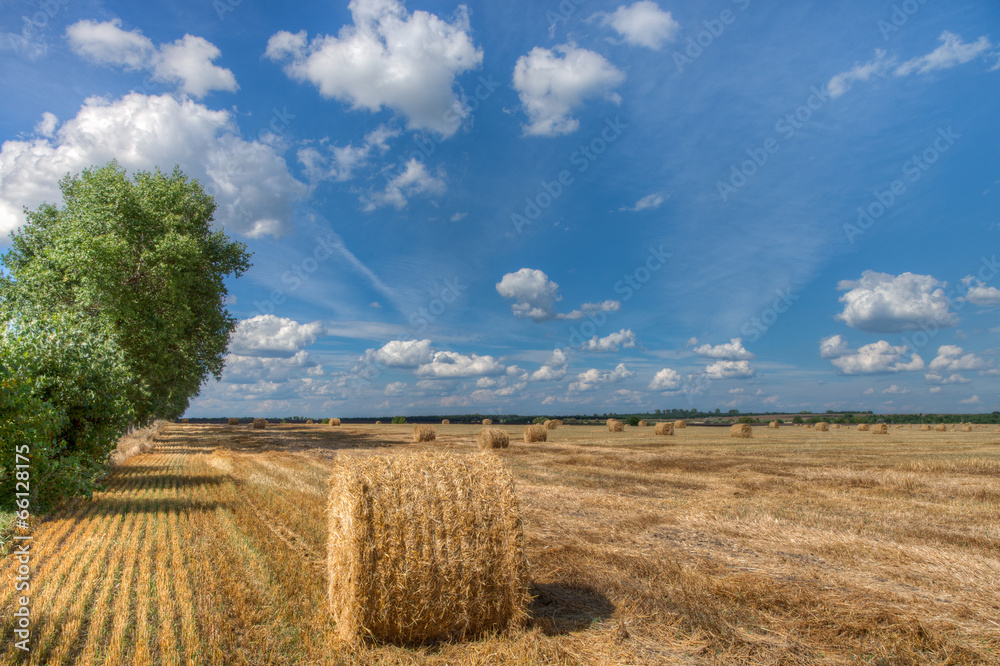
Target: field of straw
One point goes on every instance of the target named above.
(792, 546)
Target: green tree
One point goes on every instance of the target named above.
(399, 419)
(540, 419)
(138, 258)
(632, 420)
(796, 419)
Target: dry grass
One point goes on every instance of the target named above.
(493, 438)
(424, 433)
(424, 547)
(786, 548)
(535, 433)
(141, 440)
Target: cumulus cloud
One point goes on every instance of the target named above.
(729, 370)
(642, 24)
(950, 358)
(270, 335)
(396, 388)
(449, 365)
(552, 83)
(874, 358)
(535, 297)
(413, 179)
(242, 368)
(401, 353)
(979, 294)
(648, 202)
(665, 380)
(339, 163)
(251, 183)
(593, 378)
(388, 58)
(883, 303)
(732, 351)
(187, 62)
(952, 52)
(553, 369)
(612, 342)
(895, 389)
(954, 378)
(974, 400)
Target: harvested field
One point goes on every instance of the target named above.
(786, 547)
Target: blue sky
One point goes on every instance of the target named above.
(554, 208)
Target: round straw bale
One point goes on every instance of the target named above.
(836, 426)
(536, 433)
(664, 429)
(925, 427)
(880, 429)
(614, 425)
(774, 424)
(741, 430)
(680, 423)
(424, 433)
(309, 422)
(336, 422)
(487, 421)
(823, 426)
(424, 547)
(445, 422)
(493, 438)
(808, 426)
(966, 428)
(376, 423)
(940, 427)
(185, 420)
(259, 424)
(862, 427)
(234, 421)
(552, 424)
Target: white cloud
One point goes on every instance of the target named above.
(396, 388)
(883, 303)
(511, 390)
(877, 357)
(447, 364)
(414, 179)
(47, 125)
(553, 369)
(188, 62)
(951, 359)
(732, 350)
(642, 24)
(954, 378)
(535, 296)
(558, 358)
(549, 400)
(665, 380)
(974, 400)
(486, 382)
(832, 347)
(551, 86)
(648, 202)
(268, 333)
(401, 353)
(388, 58)
(593, 378)
(979, 294)
(729, 370)
(895, 389)
(934, 389)
(251, 184)
(241, 369)
(612, 342)
(869, 391)
(841, 83)
(953, 51)
(339, 163)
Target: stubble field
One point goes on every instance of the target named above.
(795, 546)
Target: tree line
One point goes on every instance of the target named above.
(112, 314)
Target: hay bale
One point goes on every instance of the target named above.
(680, 423)
(185, 420)
(614, 425)
(310, 422)
(336, 422)
(940, 427)
(487, 421)
(863, 427)
(493, 438)
(664, 429)
(925, 427)
(741, 430)
(259, 424)
(234, 421)
(836, 426)
(424, 433)
(966, 428)
(376, 423)
(536, 433)
(880, 429)
(445, 422)
(552, 424)
(808, 426)
(774, 424)
(823, 426)
(643, 423)
(424, 547)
